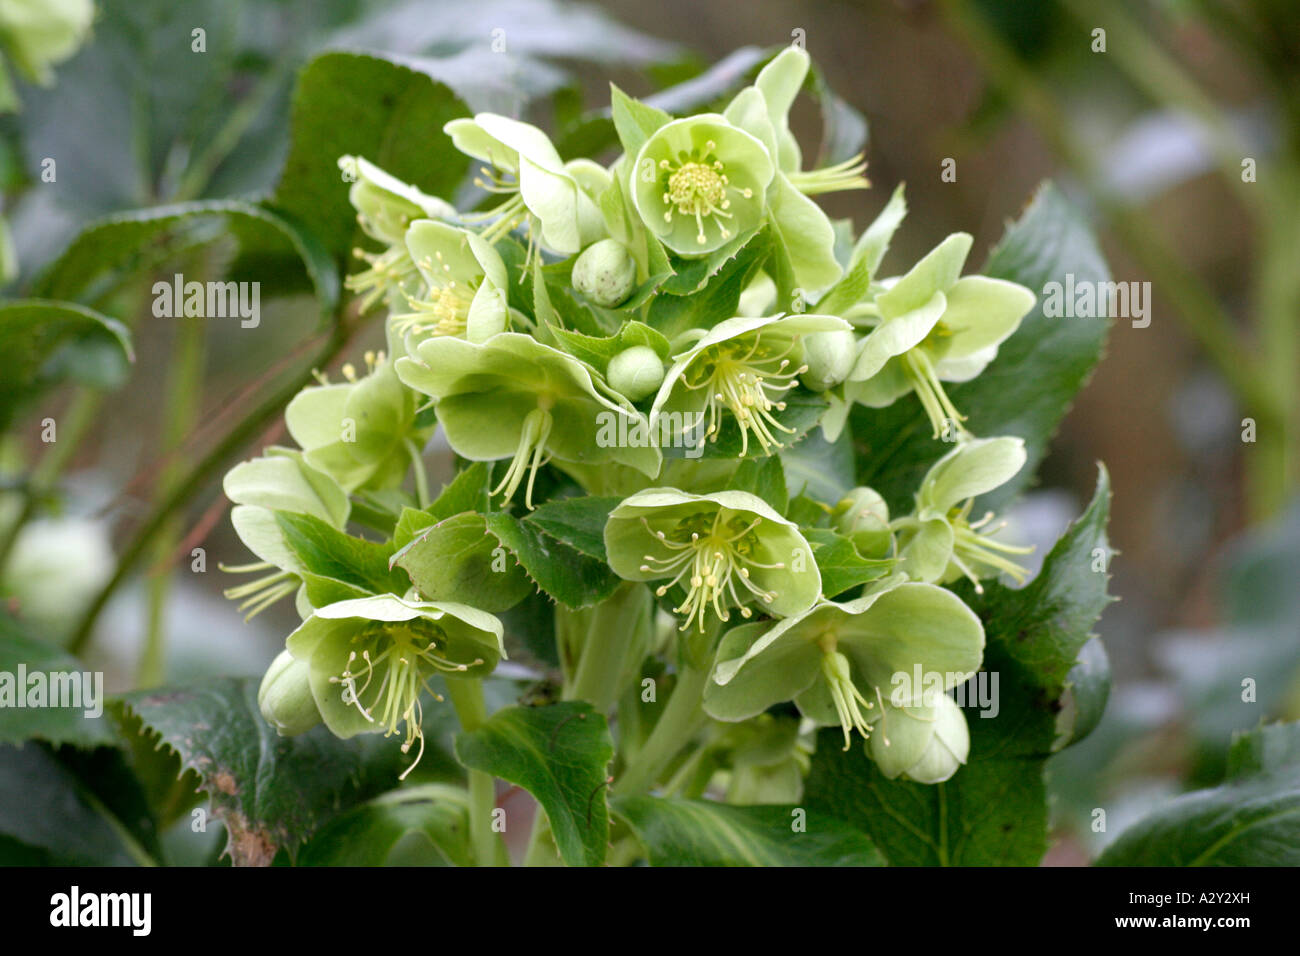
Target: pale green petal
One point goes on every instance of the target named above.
(926, 555)
(936, 272)
(896, 336)
(982, 312)
(969, 470)
(744, 685)
(807, 234)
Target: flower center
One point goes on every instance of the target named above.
(402, 658)
(749, 382)
(850, 705)
(444, 309)
(529, 455)
(707, 557)
(697, 186)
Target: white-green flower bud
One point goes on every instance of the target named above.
(925, 744)
(285, 697)
(605, 273)
(829, 357)
(635, 372)
(863, 516)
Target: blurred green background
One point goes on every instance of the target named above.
(1148, 135)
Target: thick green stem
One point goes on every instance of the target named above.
(466, 695)
(681, 718)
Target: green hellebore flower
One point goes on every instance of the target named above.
(360, 432)
(513, 397)
(541, 191)
(635, 372)
(281, 480)
(938, 542)
(829, 357)
(743, 365)
(710, 544)
(699, 182)
(37, 34)
(838, 662)
(863, 516)
(605, 273)
(935, 326)
(285, 697)
(925, 744)
(371, 659)
(385, 207)
(464, 287)
(762, 110)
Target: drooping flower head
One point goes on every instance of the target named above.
(538, 191)
(934, 326)
(360, 432)
(838, 662)
(281, 480)
(699, 182)
(371, 660)
(938, 541)
(927, 742)
(514, 397)
(36, 35)
(463, 289)
(385, 207)
(743, 366)
(728, 550)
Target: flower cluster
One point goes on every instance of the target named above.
(694, 294)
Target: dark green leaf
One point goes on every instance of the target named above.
(458, 560)
(578, 522)
(57, 671)
(354, 104)
(1253, 819)
(704, 833)
(326, 551)
(563, 572)
(559, 754)
(840, 564)
(367, 834)
(270, 792)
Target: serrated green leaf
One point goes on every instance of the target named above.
(563, 572)
(634, 121)
(705, 833)
(763, 477)
(1034, 636)
(687, 302)
(578, 522)
(840, 564)
(270, 792)
(559, 754)
(330, 553)
(819, 469)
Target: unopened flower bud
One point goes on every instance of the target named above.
(829, 357)
(636, 372)
(285, 697)
(605, 273)
(863, 516)
(925, 744)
